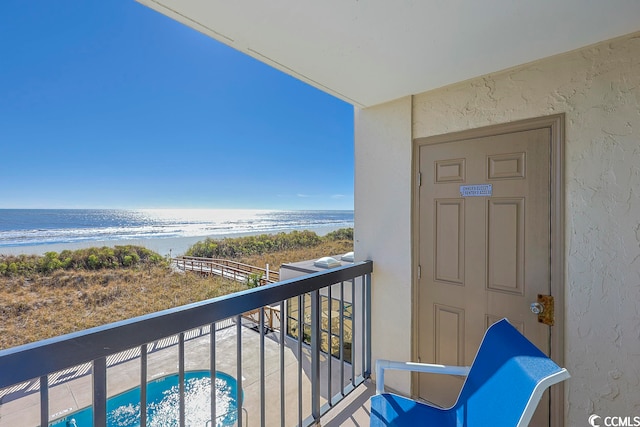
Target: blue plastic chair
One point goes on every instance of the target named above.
(503, 386)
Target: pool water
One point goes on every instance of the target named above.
(163, 397)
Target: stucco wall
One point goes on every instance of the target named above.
(382, 229)
(598, 88)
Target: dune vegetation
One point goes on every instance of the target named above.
(59, 293)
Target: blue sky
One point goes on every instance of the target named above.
(109, 104)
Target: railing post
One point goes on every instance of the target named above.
(239, 369)
(367, 282)
(181, 381)
(262, 370)
(143, 385)
(329, 345)
(44, 400)
(100, 392)
(363, 326)
(354, 317)
(282, 378)
(316, 336)
(301, 302)
(212, 368)
(341, 320)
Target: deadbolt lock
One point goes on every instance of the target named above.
(544, 309)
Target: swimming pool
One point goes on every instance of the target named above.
(123, 410)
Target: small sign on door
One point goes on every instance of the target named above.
(478, 190)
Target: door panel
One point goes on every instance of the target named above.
(481, 258)
(505, 244)
(449, 253)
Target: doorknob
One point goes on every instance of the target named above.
(544, 309)
(537, 308)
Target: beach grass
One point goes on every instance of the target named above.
(45, 306)
(41, 304)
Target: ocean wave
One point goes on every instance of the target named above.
(40, 227)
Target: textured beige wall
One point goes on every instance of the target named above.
(598, 88)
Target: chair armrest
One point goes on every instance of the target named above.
(382, 364)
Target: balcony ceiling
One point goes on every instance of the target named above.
(367, 52)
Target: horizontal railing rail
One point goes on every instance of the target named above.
(41, 359)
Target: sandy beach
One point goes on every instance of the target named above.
(174, 246)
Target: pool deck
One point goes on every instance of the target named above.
(76, 394)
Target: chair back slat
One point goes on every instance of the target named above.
(503, 376)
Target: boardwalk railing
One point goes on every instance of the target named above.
(272, 317)
(225, 268)
(319, 381)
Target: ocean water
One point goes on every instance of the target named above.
(33, 227)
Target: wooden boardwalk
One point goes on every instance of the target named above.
(226, 268)
(236, 271)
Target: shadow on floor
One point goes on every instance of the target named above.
(354, 410)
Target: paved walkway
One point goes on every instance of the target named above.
(75, 394)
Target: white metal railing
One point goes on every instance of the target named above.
(429, 368)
